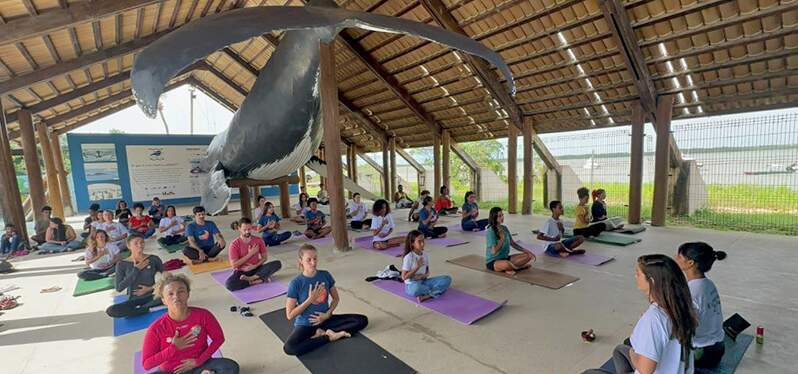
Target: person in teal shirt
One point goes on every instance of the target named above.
(469, 221)
(497, 250)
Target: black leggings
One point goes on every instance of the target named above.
(172, 239)
(433, 232)
(234, 282)
(448, 211)
(301, 340)
(211, 252)
(134, 306)
(357, 225)
(592, 230)
(709, 357)
(94, 274)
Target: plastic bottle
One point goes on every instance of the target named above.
(760, 335)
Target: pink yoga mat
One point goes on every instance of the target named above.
(457, 305)
(252, 294)
(586, 259)
(138, 369)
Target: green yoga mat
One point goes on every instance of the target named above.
(85, 287)
(172, 248)
(616, 239)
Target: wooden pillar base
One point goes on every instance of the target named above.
(244, 194)
(285, 200)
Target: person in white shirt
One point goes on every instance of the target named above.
(322, 196)
(553, 230)
(116, 231)
(101, 257)
(261, 208)
(696, 259)
(300, 208)
(415, 271)
(382, 226)
(357, 209)
(661, 339)
(171, 228)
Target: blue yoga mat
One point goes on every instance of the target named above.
(124, 326)
(728, 364)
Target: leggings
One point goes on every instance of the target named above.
(273, 239)
(135, 306)
(234, 282)
(217, 365)
(709, 356)
(592, 230)
(432, 232)
(447, 211)
(94, 274)
(471, 224)
(172, 239)
(357, 225)
(301, 340)
(211, 252)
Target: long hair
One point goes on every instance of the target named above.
(467, 195)
(409, 240)
(493, 220)
(702, 254)
(119, 204)
(60, 230)
(668, 288)
(303, 203)
(378, 206)
(596, 193)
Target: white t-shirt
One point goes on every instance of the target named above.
(550, 227)
(409, 262)
(258, 213)
(651, 338)
(166, 221)
(113, 229)
(105, 261)
(710, 316)
(360, 208)
(376, 221)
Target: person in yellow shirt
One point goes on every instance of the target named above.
(582, 225)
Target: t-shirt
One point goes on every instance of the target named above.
(442, 203)
(376, 221)
(358, 211)
(115, 230)
(106, 260)
(581, 211)
(423, 215)
(166, 221)
(258, 213)
(409, 262)
(239, 248)
(310, 215)
(265, 219)
(467, 208)
(651, 338)
(299, 289)
(158, 349)
(156, 211)
(145, 220)
(599, 211)
(128, 276)
(123, 214)
(710, 316)
(300, 210)
(550, 228)
(492, 239)
(88, 223)
(202, 234)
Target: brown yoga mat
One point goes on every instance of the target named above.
(205, 267)
(536, 276)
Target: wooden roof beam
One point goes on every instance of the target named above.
(412, 161)
(212, 93)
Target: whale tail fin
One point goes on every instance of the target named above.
(216, 194)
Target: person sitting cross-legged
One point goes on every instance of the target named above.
(248, 256)
(136, 276)
(269, 224)
(140, 223)
(316, 227)
(171, 228)
(205, 241)
(553, 231)
(60, 238)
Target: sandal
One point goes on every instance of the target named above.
(50, 290)
(9, 302)
(588, 336)
(245, 311)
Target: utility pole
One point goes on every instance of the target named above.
(191, 111)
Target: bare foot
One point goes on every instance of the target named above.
(421, 299)
(564, 254)
(255, 281)
(319, 333)
(509, 272)
(337, 335)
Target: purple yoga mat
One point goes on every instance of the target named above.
(327, 240)
(252, 294)
(457, 305)
(138, 369)
(447, 242)
(586, 259)
(365, 243)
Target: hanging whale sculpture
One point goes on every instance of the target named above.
(277, 128)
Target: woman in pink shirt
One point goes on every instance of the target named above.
(177, 342)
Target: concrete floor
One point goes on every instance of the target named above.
(536, 332)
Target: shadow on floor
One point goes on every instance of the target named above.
(54, 328)
(23, 273)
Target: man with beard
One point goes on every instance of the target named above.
(248, 257)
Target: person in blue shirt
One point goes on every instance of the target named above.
(427, 217)
(156, 211)
(205, 241)
(309, 305)
(470, 213)
(268, 224)
(314, 218)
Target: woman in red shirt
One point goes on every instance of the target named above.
(444, 204)
(178, 341)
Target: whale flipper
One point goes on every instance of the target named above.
(217, 194)
(166, 57)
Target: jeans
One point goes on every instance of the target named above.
(57, 248)
(473, 224)
(551, 249)
(217, 365)
(171, 239)
(434, 286)
(211, 252)
(135, 306)
(94, 274)
(273, 238)
(301, 340)
(8, 245)
(150, 231)
(234, 282)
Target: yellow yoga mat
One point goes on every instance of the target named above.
(209, 266)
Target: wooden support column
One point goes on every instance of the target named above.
(662, 160)
(285, 199)
(35, 181)
(245, 194)
(512, 170)
(10, 199)
(636, 165)
(526, 203)
(386, 172)
(255, 194)
(436, 167)
(349, 149)
(58, 157)
(394, 180)
(446, 149)
(53, 189)
(332, 141)
(353, 162)
(323, 157)
(302, 181)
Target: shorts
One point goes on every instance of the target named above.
(490, 265)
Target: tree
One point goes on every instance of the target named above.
(115, 131)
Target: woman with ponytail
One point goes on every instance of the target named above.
(696, 259)
(497, 251)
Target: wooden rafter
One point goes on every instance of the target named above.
(26, 55)
(191, 10)
(173, 17)
(73, 36)
(30, 7)
(48, 42)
